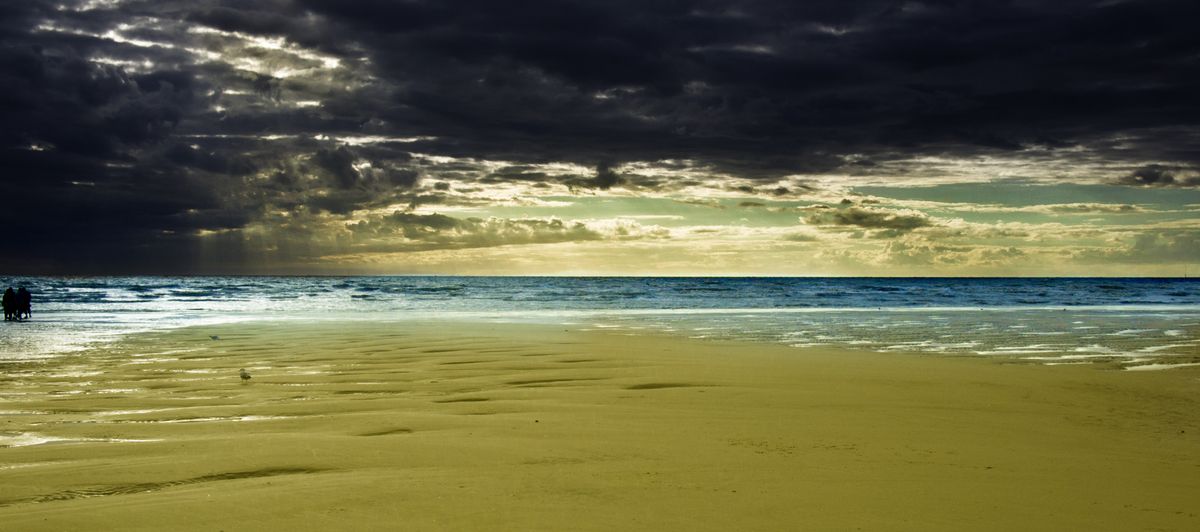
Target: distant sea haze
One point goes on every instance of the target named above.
(1054, 320)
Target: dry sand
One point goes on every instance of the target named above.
(499, 427)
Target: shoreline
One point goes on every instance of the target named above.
(1120, 342)
(503, 426)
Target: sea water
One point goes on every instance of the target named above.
(1049, 320)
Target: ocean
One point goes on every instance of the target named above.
(1136, 323)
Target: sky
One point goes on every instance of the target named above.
(613, 137)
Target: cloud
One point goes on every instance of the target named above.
(750, 93)
(408, 178)
(1153, 246)
(801, 237)
(905, 252)
(339, 162)
(130, 127)
(1157, 175)
(1045, 208)
(605, 178)
(402, 231)
(1181, 245)
(870, 218)
(1091, 208)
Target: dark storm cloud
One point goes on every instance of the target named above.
(1157, 175)
(764, 88)
(62, 100)
(405, 177)
(606, 177)
(184, 156)
(81, 147)
(339, 163)
(134, 124)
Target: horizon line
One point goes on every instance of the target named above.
(595, 276)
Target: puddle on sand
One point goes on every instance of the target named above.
(26, 439)
(205, 419)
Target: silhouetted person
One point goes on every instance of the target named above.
(10, 304)
(24, 303)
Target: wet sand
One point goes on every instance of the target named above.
(366, 426)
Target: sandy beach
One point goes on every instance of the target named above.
(372, 426)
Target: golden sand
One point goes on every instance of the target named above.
(482, 427)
